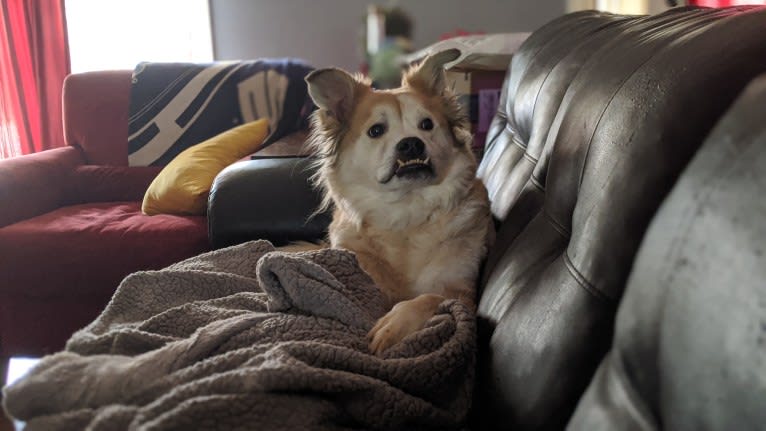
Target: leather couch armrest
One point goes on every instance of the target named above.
(269, 199)
(36, 183)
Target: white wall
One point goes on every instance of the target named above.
(328, 32)
(658, 6)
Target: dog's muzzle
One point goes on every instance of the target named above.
(412, 160)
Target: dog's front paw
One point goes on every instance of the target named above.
(404, 319)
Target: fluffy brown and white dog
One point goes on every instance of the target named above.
(398, 169)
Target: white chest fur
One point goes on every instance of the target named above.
(430, 258)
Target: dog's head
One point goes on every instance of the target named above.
(391, 158)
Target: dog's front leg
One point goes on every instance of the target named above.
(405, 318)
(410, 316)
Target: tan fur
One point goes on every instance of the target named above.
(421, 240)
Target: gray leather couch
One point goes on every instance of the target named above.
(600, 115)
(689, 350)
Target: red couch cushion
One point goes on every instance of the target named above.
(44, 256)
(98, 183)
(96, 115)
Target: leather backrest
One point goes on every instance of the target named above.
(96, 115)
(690, 343)
(600, 115)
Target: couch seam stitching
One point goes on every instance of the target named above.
(584, 283)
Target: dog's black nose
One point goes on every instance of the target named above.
(411, 148)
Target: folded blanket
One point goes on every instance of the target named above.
(174, 106)
(251, 338)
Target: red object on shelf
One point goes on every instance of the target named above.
(725, 3)
(459, 33)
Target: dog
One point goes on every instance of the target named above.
(397, 168)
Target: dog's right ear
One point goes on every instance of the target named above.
(333, 90)
(428, 76)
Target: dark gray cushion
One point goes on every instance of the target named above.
(690, 344)
(601, 115)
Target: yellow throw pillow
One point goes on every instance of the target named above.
(182, 187)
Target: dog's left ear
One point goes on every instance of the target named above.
(333, 90)
(428, 76)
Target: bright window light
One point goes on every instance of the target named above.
(118, 34)
(18, 367)
(634, 7)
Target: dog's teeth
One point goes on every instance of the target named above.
(413, 162)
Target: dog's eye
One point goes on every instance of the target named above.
(427, 124)
(376, 130)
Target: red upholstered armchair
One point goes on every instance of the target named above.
(71, 225)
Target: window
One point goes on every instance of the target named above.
(118, 34)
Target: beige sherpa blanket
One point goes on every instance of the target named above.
(248, 338)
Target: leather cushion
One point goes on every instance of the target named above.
(269, 198)
(602, 113)
(690, 344)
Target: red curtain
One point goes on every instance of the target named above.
(34, 59)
